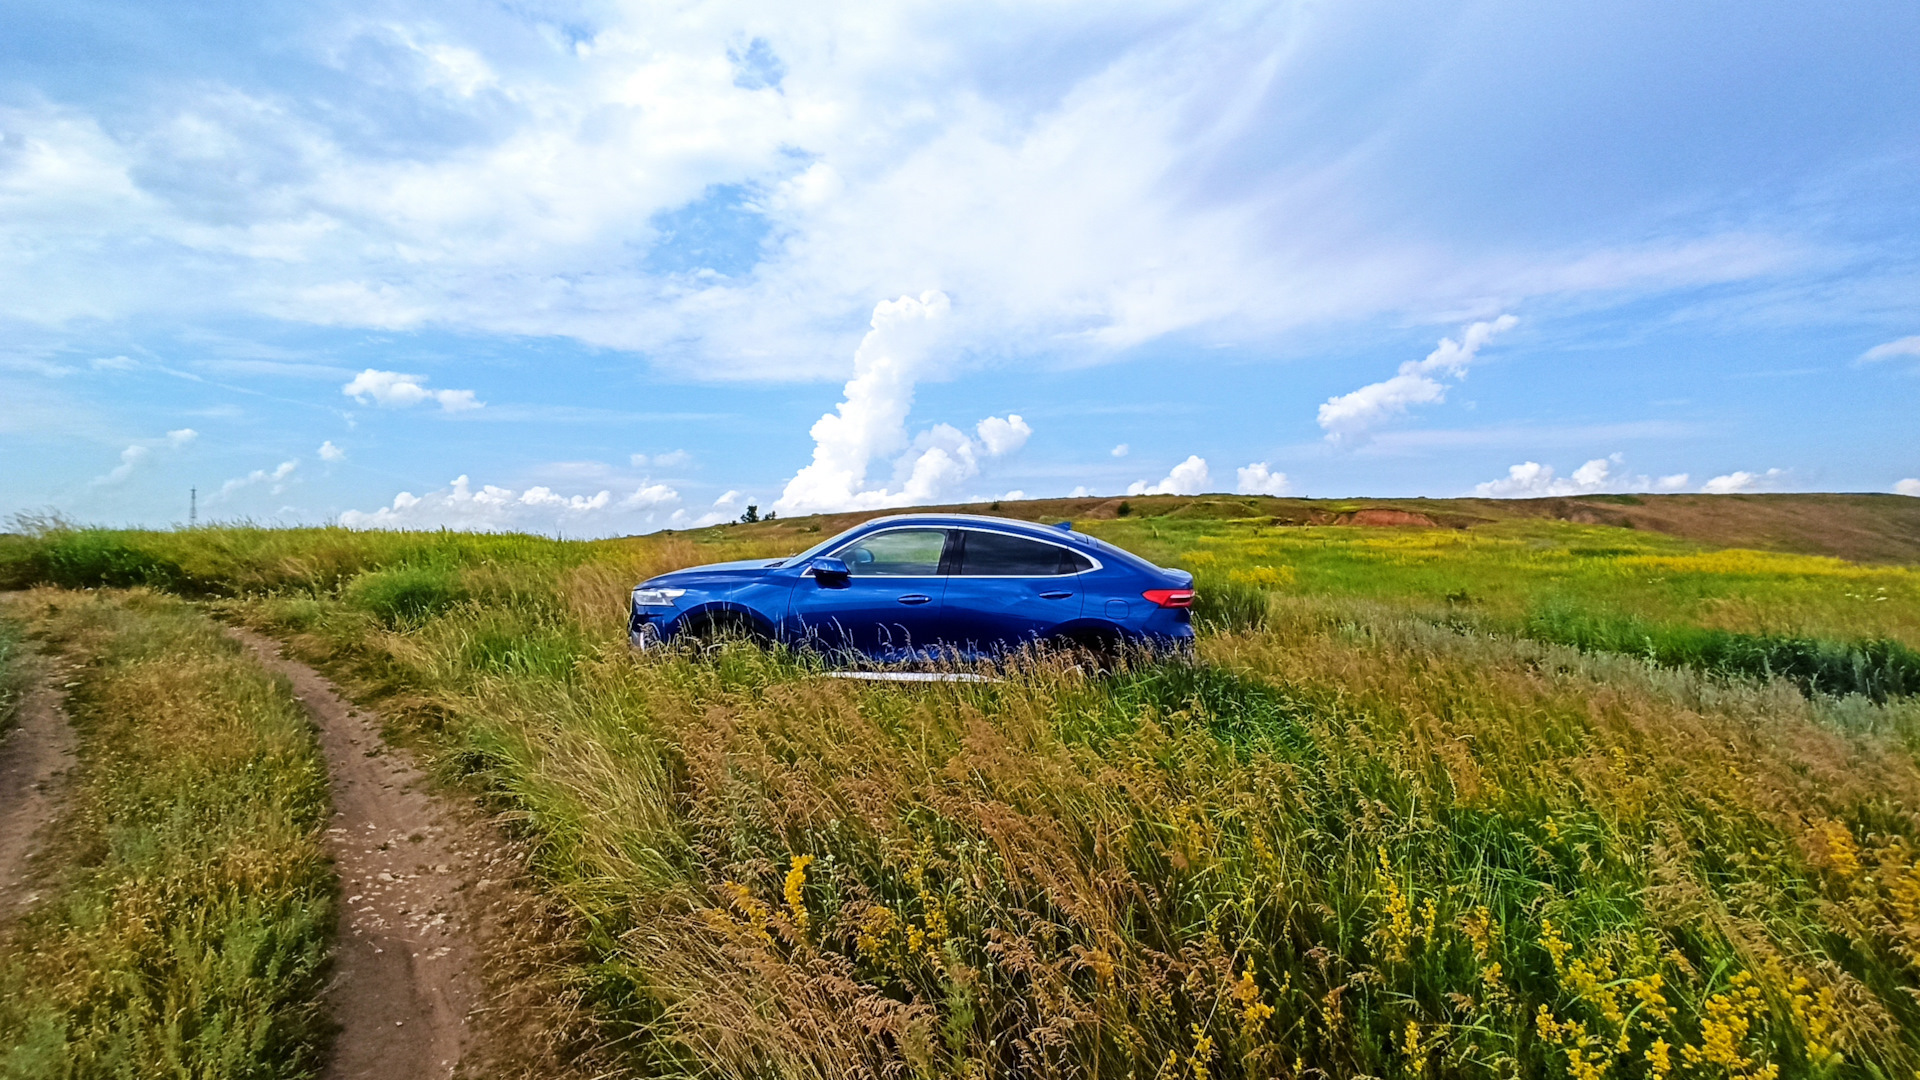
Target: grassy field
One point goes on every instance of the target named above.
(1532, 798)
(187, 932)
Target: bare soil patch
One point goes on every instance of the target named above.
(425, 883)
(36, 756)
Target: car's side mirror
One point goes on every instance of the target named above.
(831, 573)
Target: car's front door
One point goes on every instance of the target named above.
(890, 601)
(1007, 590)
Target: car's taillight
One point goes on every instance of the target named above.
(1170, 597)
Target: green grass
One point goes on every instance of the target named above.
(13, 672)
(186, 927)
(1420, 808)
(1878, 668)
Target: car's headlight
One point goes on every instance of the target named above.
(656, 597)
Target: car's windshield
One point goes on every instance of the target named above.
(820, 548)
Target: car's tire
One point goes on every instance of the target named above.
(1096, 652)
(714, 631)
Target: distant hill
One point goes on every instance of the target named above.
(1861, 528)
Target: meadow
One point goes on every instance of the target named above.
(1533, 798)
(188, 909)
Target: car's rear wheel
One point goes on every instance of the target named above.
(1097, 652)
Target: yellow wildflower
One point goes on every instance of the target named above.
(1659, 1060)
(796, 896)
(1396, 936)
(1253, 1010)
(1841, 850)
(1724, 1030)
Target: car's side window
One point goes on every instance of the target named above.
(992, 554)
(896, 553)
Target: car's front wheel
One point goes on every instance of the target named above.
(715, 630)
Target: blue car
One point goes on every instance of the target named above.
(918, 586)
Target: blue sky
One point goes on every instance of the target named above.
(595, 268)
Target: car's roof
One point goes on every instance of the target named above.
(968, 519)
(1030, 528)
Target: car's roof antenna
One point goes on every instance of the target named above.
(1063, 526)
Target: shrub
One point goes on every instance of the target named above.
(406, 595)
(1877, 669)
(94, 558)
(1227, 605)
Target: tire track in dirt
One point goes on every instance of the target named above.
(422, 883)
(36, 757)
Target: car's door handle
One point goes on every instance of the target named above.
(1055, 595)
(915, 598)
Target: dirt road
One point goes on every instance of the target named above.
(35, 756)
(420, 878)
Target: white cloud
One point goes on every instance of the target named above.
(393, 390)
(870, 424)
(1348, 418)
(494, 508)
(728, 499)
(1102, 198)
(1906, 346)
(1079, 492)
(1003, 437)
(130, 459)
(329, 452)
(1015, 495)
(650, 496)
(1740, 481)
(1190, 477)
(1257, 479)
(181, 436)
(1120, 451)
(114, 363)
(668, 460)
(274, 479)
(1532, 480)
(545, 498)
(1909, 486)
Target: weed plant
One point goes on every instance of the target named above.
(187, 934)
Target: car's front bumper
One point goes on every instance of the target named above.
(643, 631)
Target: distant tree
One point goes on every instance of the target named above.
(770, 516)
(752, 515)
(1125, 508)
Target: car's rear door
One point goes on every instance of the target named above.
(1008, 589)
(891, 601)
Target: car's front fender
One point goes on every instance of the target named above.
(701, 612)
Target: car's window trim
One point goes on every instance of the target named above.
(1087, 555)
(944, 548)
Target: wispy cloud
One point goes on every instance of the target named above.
(139, 453)
(1350, 417)
(1901, 348)
(274, 480)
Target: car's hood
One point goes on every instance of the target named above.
(742, 568)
